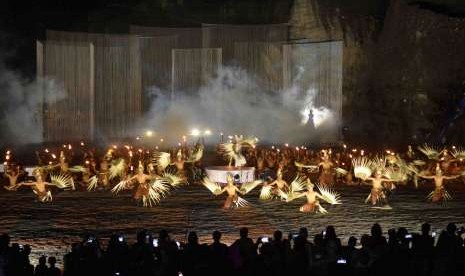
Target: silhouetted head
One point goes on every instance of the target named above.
(216, 236)
(401, 233)
(27, 249)
(278, 235)
(52, 261)
(42, 260)
(318, 240)
(352, 241)
(451, 228)
(163, 235)
(330, 233)
(193, 238)
(376, 230)
(142, 236)
(303, 232)
(4, 241)
(425, 228)
(365, 240)
(244, 232)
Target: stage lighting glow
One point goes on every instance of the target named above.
(320, 116)
(149, 133)
(208, 132)
(195, 132)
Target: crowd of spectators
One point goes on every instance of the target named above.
(398, 253)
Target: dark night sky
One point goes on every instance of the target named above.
(23, 21)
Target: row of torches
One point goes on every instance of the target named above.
(354, 152)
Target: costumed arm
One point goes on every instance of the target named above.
(213, 187)
(122, 185)
(247, 187)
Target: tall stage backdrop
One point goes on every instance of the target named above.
(107, 77)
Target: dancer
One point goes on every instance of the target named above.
(12, 175)
(326, 177)
(277, 187)
(313, 204)
(439, 192)
(40, 186)
(377, 194)
(233, 199)
(363, 170)
(150, 189)
(233, 150)
(163, 159)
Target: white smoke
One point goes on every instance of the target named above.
(232, 103)
(21, 101)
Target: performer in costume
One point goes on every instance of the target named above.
(363, 169)
(233, 199)
(278, 186)
(313, 204)
(326, 177)
(163, 159)
(12, 174)
(233, 150)
(149, 189)
(40, 186)
(439, 192)
(377, 193)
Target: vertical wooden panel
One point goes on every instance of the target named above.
(225, 36)
(263, 61)
(117, 81)
(192, 68)
(40, 57)
(92, 91)
(69, 118)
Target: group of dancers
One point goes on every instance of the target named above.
(286, 173)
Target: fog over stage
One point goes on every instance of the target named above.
(51, 228)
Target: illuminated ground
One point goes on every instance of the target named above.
(51, 228)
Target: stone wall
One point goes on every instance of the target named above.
(403, 70)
